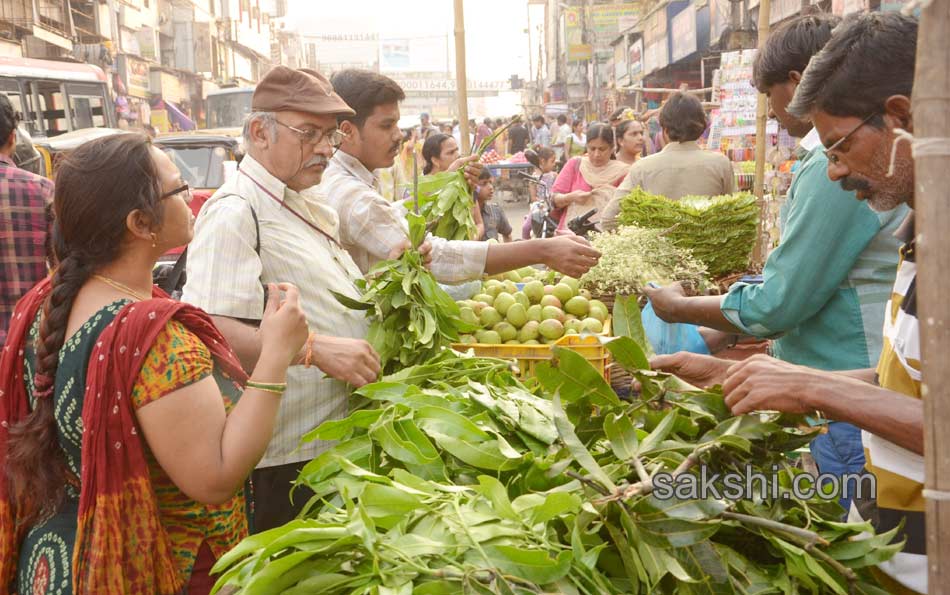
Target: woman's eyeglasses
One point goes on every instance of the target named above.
(179, 190)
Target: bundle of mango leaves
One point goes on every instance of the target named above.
(719, 231)
(412, 318)
(458, 478)
(445, 199)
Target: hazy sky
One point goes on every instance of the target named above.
(496, 42)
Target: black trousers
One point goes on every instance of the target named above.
(271, 504)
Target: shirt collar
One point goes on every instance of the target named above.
(7, 160)
(356, 168)
(259, 173)
(689, 145)
(811, 140)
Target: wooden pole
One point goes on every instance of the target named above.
(460, 76)
(931, 105)
(761, 117)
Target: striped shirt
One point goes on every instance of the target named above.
(371, 226)
(225, 273)
(899, 472)
(23, 230)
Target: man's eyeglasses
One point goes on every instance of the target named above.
(830, 151)
(179, 190)
(313, 137)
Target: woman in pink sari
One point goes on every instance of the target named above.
(588, 182)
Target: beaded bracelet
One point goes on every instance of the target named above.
(306, 361)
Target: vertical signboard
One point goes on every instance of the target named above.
(683, 33)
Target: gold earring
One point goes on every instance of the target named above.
(154, 240)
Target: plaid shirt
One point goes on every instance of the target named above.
(23, 229)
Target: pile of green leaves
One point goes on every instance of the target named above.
(446, 202)
(412, 317)
(445, 199)
(633, 256)
(719, 231)
(460, 479)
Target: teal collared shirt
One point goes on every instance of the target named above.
(825, 285)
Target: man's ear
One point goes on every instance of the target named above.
(795, 76)
(898, 107)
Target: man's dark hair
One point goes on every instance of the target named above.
(8, 119)
(683, 117)
(562, 119)
(363, 90)
(869, 58)
(538, 118)
(487, 122)
(790, 47)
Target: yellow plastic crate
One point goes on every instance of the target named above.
(528, 356)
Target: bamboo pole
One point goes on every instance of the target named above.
(761, 117)
(460, 76)
(931, 109)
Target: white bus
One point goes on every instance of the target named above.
(57, 97)
(228, 107)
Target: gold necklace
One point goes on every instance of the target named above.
(121, 287)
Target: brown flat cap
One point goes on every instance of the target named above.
(304, 90)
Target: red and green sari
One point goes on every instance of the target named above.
(120, 544)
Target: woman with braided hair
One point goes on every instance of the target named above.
(125, 444)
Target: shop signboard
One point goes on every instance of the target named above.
(621, 66)
(636, 60)
(656, 56)
(136, 77)
(718, 18)
(683, 33)
(608, 20)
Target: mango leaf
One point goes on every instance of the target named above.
(664, 531)
(628, 354)
(276, 572)
(575, 378)
(659, 433)
(622, 435)
(627, 322)
(577, 449)
(496, 493)
(351, 303)
(532, 565)
(343, 428)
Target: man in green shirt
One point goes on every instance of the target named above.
(825, 285)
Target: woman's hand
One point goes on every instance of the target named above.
(284, 327)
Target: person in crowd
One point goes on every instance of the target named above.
(540, 133)
(142, 489)
(501, 142)
(682, 168)
(440, 153)
(857, 94)
(544, 162)
(426, 129)
(576, 143)
(630, 141)
(496, 222)
(371, 229)
(518, 137)
(837, 247)
(483, 131)
(446, 128)
(24, 198)
(588, 182)
(559, 136)
(268, 224)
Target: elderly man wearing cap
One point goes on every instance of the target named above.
(371, 227)
(268, 224)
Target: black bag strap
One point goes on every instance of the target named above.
(173, 280)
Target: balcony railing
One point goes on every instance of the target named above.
(54, 15)
(17, 12)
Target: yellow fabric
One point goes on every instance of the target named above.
(177, 359)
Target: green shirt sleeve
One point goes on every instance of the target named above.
(826, 231)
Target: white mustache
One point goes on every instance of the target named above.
(318, 160)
